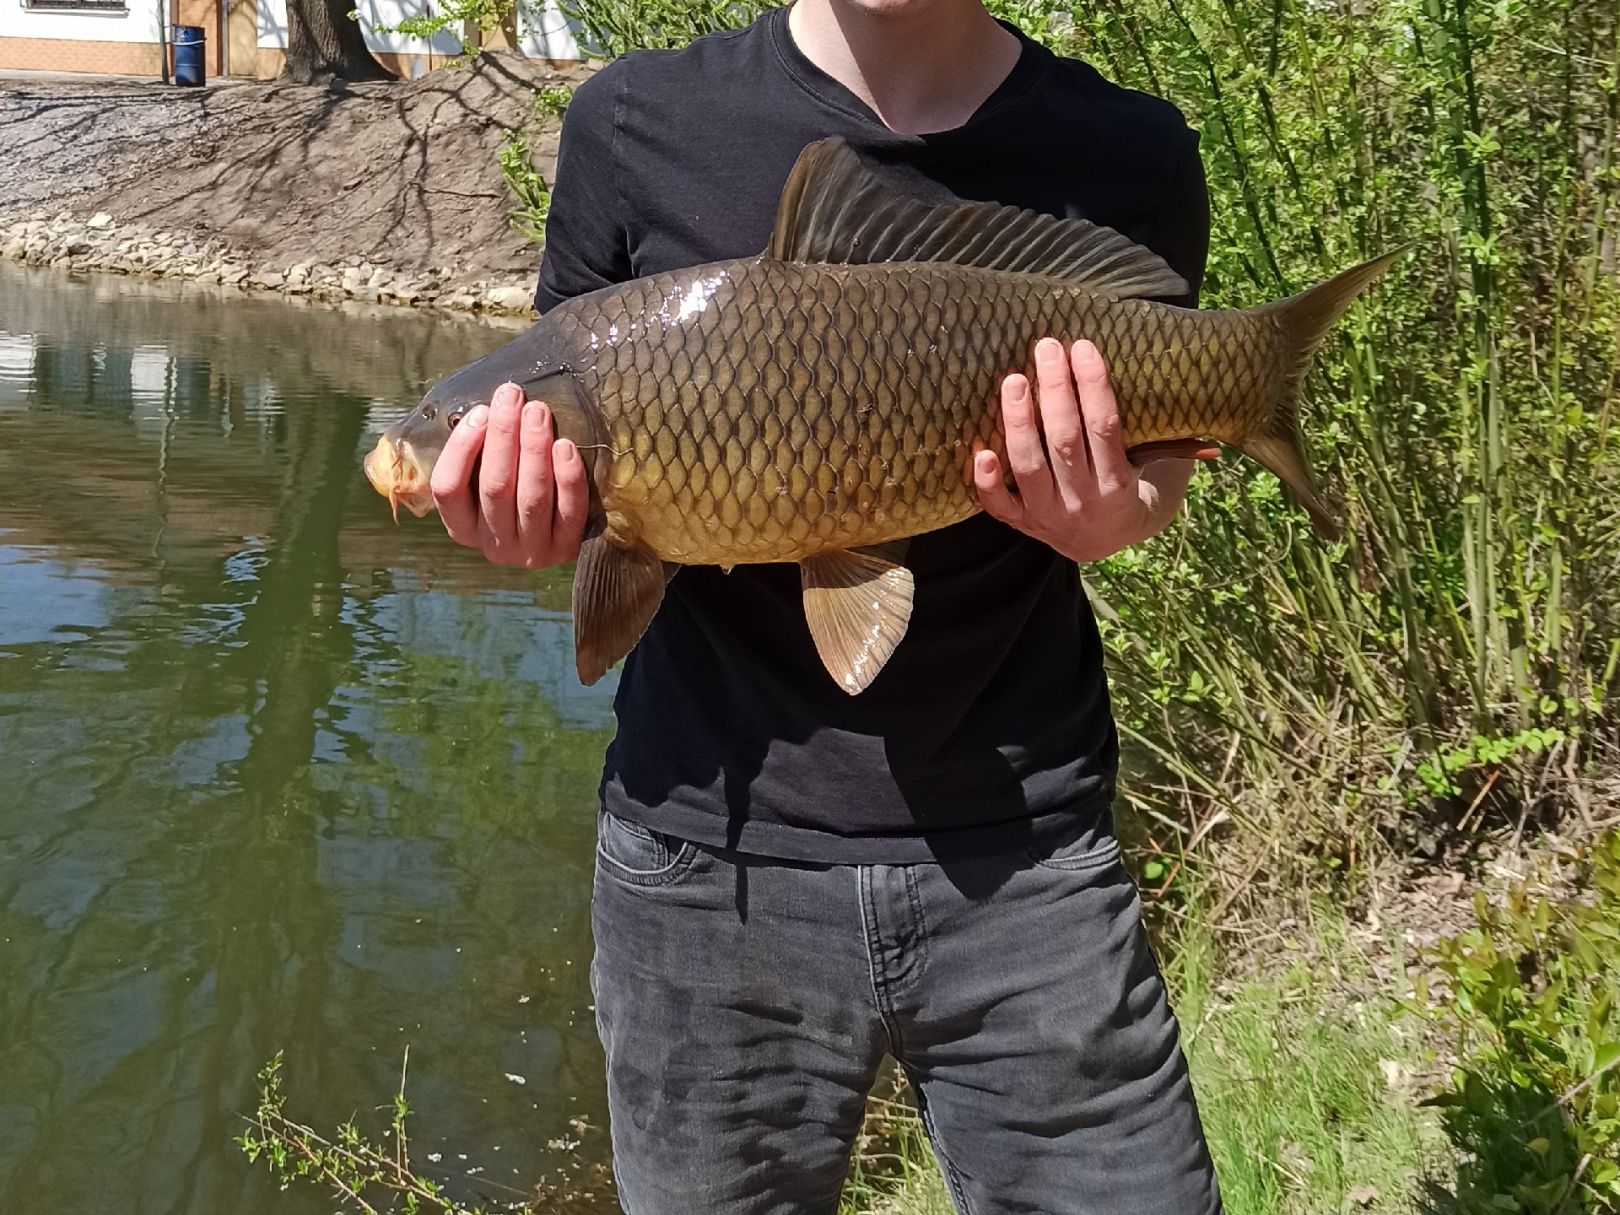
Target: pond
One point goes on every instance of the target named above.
(274, 773)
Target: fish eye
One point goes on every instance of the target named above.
(455, 419)
(429, 413)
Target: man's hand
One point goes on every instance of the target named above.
(1079, 492)
(531, 498)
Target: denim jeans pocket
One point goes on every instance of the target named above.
(1088, 851)
(639, 855)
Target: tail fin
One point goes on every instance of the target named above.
(1304, 320)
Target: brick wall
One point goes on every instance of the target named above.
(73, 55)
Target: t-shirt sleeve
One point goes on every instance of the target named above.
(586, 246)
(1180, 231)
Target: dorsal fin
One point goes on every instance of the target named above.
(835, 209)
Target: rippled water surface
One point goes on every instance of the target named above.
(274, 773)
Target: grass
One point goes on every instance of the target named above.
(1304, 1075)
(1303, 1090)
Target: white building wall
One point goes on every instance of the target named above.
(138, 24)
(544, 33)
(542, 30)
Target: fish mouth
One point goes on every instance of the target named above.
(396, 472)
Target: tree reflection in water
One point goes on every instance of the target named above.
(276, 774)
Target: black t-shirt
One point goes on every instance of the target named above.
(990, 726)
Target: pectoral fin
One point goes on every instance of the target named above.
(858, 604)
(616, 594)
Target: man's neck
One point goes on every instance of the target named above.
(920, 71)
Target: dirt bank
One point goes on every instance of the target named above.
(380, 191)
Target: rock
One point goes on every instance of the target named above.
(234, 275)
(77, 243)
(99, 220)
(509, 299)
(268, 279)
(299, 273)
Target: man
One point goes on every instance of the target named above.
(792, 882)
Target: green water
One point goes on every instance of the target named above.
(274, 773)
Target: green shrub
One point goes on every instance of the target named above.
(1535, 1106)
(530, 190)
(609, 28)
(1467, 417)
(552, 101)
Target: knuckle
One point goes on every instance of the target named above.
(1106, 427)
(1026, 464)
(495, 486)
(1068, 447)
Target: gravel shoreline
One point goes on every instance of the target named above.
(100, 243)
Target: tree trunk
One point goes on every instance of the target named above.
(323, 44)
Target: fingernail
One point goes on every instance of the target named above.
(534, 416)
(563, 450)
(478, 416)
(1049, 350)
(508, 394)
(1020, 389)
(1085, 351)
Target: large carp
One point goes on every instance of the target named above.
(822, 402)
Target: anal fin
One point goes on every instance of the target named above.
(858, 605)
(616, 594)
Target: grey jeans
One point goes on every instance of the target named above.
(746, 1006)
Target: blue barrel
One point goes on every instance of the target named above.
(189, 44)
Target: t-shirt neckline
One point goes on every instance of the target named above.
(1032, 61)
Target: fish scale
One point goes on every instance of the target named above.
(821, 403)
(806, 408)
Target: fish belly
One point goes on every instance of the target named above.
(760, 410)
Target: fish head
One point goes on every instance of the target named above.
(400, 467)
(398, 473)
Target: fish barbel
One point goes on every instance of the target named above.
(822, 402)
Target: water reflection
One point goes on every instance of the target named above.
(274, 772)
